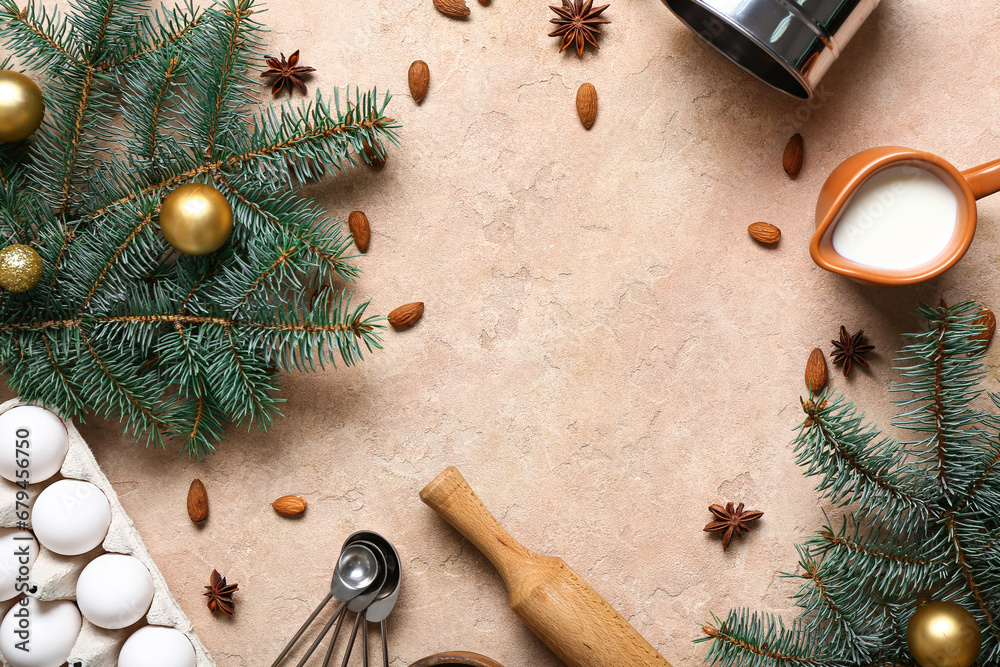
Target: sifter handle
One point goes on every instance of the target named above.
(984, 179)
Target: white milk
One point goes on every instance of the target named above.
(898, 219)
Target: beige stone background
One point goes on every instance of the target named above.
(604, 352)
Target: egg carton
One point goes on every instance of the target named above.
(53, 577)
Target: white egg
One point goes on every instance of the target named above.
(71, 517)
(114, 591)
(18, 551)
(33, 444)
(39, 634)
(156, 646)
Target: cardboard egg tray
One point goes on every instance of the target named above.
(53, 577)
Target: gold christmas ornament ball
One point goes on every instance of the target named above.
(196, 219)
(944, 634)
(21, 106)
(20, 268)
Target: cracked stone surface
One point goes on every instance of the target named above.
(604, 353)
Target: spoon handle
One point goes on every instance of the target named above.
(340, 613)
(551, 599)
(336, 633)
(354, 635)
(312, 617)
(364, 641)
(385, 643)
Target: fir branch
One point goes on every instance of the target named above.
(75, 323)
(73, 141)
(157, 188)
(101, 27)
(266, 280)
(747, 639)
(313, 137)
(205, 276)
(128, 397)
(291, 344)
(922, 518)
(16, 205)
(159, 32)
(110, 262)
(888, 568)
(184, 359)
(837, 446)
(66, 146)
(275, 155)
(305, 223)
(39, 37)
(14, 359)
(144, 105)
(965, 565)
(198, 422)
(61, 390)
(227, 44)
(246, 384)
(191, 439)
(981, 495)
(156, 111)
(56, 263)
(943, 371)
(172, 345)
(90, 20)
(50, 366)
(843, 617)
(222, 99)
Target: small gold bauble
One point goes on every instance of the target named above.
(20, 268)
(196, 219)
(21, 106)
(944, 634)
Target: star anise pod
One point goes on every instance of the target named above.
(849, 350)
(220, 594)
(578, 23)
(287, 73)
(731, 521)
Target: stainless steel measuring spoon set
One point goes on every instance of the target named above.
(365, 581)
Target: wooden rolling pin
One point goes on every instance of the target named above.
(551, 599)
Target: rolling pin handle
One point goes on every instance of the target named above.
(451, 496)
(562, 609)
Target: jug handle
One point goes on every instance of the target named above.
(984, 179)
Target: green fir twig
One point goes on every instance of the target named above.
(139, 102)
(922, 514)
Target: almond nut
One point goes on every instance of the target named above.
(816, 371)
(418, 77)
(986, 319)
(794, 154)
(406, 315)
(357, 222)
(289, 505)
(765, 232)
(456, 8)
(586, 104)
(197, 502)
